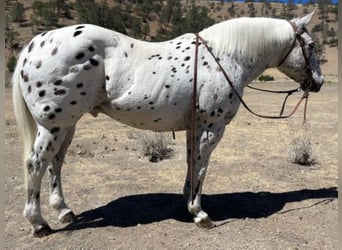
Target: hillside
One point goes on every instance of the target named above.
(144, 20)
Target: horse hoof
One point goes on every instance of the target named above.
(68, 217)
(204, 222)
(42, 230)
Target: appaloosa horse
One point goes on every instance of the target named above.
(65, 73)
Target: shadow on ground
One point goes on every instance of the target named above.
(148, 208)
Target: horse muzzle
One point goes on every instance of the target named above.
(314, 84)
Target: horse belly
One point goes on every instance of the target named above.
(144, 112)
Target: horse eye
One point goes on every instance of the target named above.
(311, 45)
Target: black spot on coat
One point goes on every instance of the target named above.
(77, 33)
(60, 92)
(54, 130)
(79, 56)
(30, 47)
(41, 93)
(54, 51)
(93, 62)
(58, 82)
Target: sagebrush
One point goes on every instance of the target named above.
(156, 146)
(301, 150)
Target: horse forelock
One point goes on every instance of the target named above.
(248, 37)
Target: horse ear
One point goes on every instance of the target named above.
(307, 19)
(302, 22)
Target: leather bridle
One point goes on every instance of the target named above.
(301, 42)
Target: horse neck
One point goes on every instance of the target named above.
(252, 68)
(253, 44)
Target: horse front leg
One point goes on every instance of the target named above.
(65, 214)
(205, 142)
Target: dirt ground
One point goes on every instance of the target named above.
(257, 199)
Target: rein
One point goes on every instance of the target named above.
(195, 104)
(288, 92)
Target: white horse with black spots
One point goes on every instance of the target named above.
(65, 73)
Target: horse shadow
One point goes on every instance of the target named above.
(138, 209)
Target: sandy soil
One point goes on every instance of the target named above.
(257, 199)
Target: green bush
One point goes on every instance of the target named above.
(333, 42)
(101, 14)
(11, 63)
(18, 12)
(265, 78)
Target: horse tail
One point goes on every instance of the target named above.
(25, 122)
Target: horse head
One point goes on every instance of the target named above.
(301, 63)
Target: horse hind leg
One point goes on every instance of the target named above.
(65, 214)
(46, 146)
(206, 139)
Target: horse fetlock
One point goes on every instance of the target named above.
(65, 214)
(41, 230)
(40, 226)
(57, 202)
(33, 215)
(194, 207)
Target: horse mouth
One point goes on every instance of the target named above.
(312, 85)
(315, 88)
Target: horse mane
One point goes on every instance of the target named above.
(250, 37)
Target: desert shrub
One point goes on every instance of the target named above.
(333, 42)
(17, 13)
(156, 146)
(43, 13)
(99, 13)
(11, 62)
(266, 78)
(11, 40)
(301, 150)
